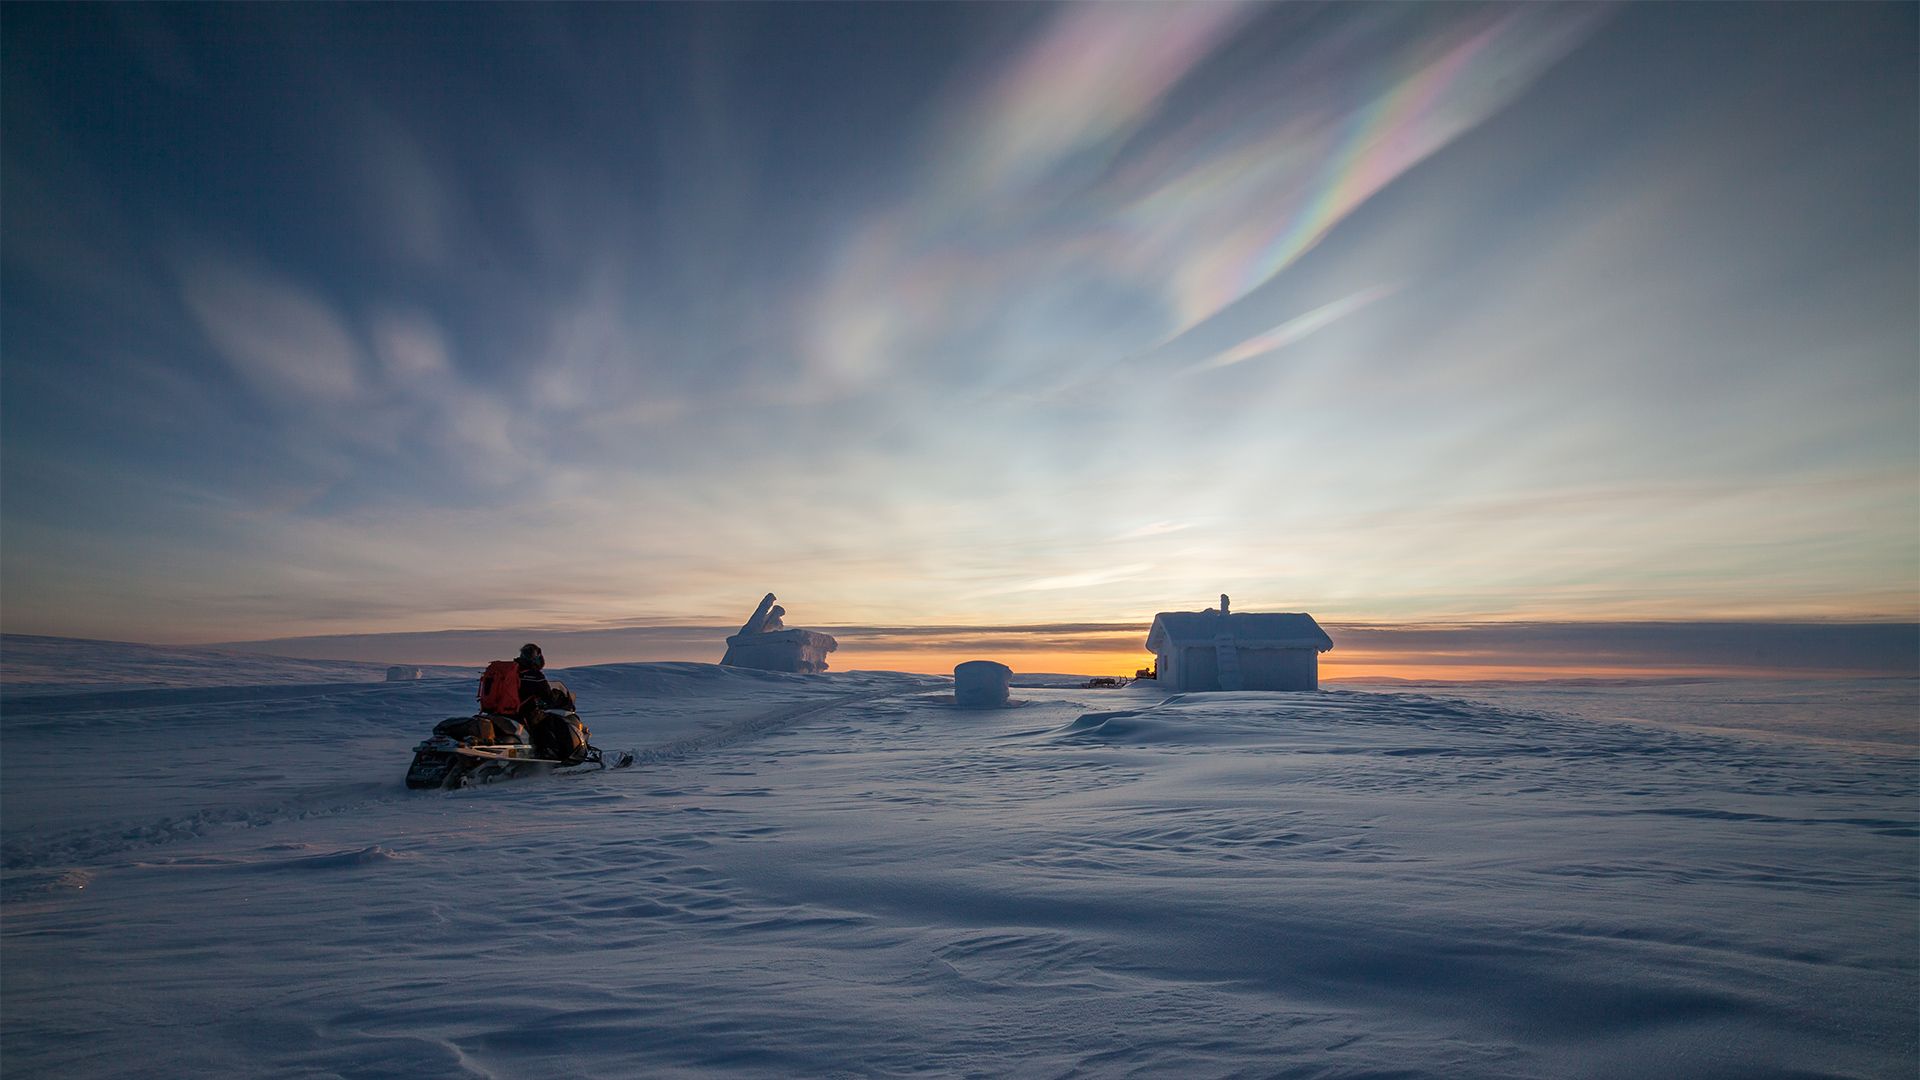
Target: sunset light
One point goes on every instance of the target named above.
(747, 540)
(1140, 303)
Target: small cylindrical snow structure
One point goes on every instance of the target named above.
(402, 673)
(981, 684)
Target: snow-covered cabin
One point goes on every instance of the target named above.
(1223, 650)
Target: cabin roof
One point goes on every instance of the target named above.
(1275, 630)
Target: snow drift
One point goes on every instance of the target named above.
(842, 874)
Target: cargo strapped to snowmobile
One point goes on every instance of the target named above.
(478, 749)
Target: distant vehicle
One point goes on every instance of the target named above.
(484, 747)
(1147, 673)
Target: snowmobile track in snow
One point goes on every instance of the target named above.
(759, 726)
(100, 845)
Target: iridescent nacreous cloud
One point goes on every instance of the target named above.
(332, 319)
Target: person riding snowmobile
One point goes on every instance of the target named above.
(547, 708)
(536, 692)
(525, 722)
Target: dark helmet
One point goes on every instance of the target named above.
(530, 656)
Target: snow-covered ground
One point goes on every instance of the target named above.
(847, 875)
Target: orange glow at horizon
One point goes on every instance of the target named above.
(942, 661)
(1355, 665)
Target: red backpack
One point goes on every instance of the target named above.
(500, 688)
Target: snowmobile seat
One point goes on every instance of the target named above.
(482, 729)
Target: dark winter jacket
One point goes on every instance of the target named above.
(535, 691)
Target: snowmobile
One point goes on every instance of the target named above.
(479, 749)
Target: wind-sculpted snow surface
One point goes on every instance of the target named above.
(848, 875)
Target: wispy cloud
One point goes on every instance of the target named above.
(1157, 528)
(1084, 580)
(1109, 188)
(1090, 79)
(282, 339)
(1294, 330)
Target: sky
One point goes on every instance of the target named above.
(344, 319)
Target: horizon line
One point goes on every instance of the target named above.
(1112, 626)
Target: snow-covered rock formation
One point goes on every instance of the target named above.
(764, 643)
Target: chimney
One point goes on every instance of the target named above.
(1223, 603)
